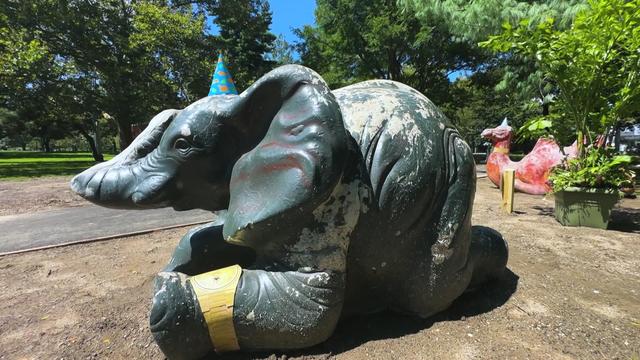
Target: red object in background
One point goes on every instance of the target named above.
(136, 129)
(533, 170)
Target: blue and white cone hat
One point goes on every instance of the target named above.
(222, 82)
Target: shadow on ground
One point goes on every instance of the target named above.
(625, 219)
(544, 210)
(358, 330)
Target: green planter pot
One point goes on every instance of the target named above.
(585, 207)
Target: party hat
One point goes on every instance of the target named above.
(222, 83)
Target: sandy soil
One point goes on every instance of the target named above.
(571, 293)
(37, 194)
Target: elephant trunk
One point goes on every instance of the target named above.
(139, 177)
(141, 184)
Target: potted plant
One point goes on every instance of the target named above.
(586, 188)
(594, 67)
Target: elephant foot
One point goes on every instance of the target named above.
(488, 253)
(177, 323)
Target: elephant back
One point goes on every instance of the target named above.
(422, 177)
(401, 136)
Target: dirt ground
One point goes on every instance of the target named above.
(47, 193)
(571, 293)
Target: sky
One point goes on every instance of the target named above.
(286, 15)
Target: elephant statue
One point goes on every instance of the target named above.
(328, 204)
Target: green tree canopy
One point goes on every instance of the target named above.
(244, 37)
(476, 20)
(29, 85)
(126, 59)
(282, 53)
(475, 105)
(139, 56)
(595, 64)
(362, 39)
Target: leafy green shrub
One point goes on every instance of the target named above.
(599, 168)
(595, 67)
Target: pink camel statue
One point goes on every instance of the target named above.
(533, 170)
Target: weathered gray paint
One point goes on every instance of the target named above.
(334, 203)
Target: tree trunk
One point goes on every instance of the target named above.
(394, 68)
(46, 144)
(97, 155)
(545, 108)
(97, 139)
(124, 133)
(616, 138)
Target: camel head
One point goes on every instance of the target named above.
(498, 134)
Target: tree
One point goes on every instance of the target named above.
(595, 65)
(29, 86)
(12, 129)
(141, 56)
(475, 105)
(476, 20)
(244, 37)
(282, 53)
(79, 104)
(181, 52)
(358, 39)
(128, 60)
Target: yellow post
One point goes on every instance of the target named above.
(506, 185)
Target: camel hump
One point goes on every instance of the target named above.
(547, 142)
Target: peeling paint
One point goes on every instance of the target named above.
(325, 247)
(382, 105)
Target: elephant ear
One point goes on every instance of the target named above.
(298, 159)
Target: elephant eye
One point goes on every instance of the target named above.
(182, 144)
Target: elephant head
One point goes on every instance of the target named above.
(184, 158)
(169, 160)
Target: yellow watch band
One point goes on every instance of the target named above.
(216, 291)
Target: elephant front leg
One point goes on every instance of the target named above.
(203, 249)
(286, 310)
(176, 320)
(177, 323)
(231, 309)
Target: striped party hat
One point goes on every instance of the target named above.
(222, 83)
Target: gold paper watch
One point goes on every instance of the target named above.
(215, 291)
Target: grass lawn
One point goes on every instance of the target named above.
(17, 165)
